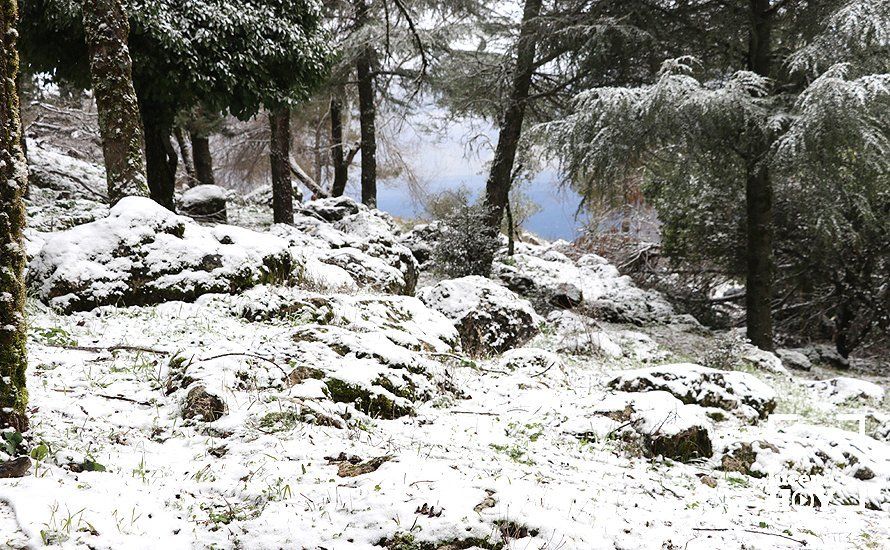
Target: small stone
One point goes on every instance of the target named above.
(17, 467)
(709, 481)
(864, 473)
(201, 405)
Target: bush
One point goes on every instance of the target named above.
(466, 245)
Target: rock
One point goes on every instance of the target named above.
(143, 254)
(331, 209)
(205, 203)
(739, 392)
(828, 356)
(709, 481)
(848, 390)
(740, 457)
(762, 359)
(794, 359)
(422, 240)
(579, 334)
(347, 468)
(531, 359)
(204, 406)
(17, 467)
(489, 318)
(551, 280)
(358, 249)
(662, 424)
(841, 464)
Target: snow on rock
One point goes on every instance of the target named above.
(205, 203)
(356, 241)
(63, 191)
(848, 390)
(763, 360)
(578, 334)
(489, 318)
(144, 254)
(794, 359)
(404, 320)
(739, 392)
(831, 463)
(553, 281)
(661, 423)
(374, 352)
(422, 239)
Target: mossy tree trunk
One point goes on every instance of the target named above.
(106, 29)
(367, 111)
(282, 190)
(13, 180)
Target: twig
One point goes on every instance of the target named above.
(801, 542)
(481, 413)
(120, 347)
(122, 398)
(251, 355)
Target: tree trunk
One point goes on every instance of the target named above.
(497, 188)
(203, 159)
(185, 154)
(759, 200)
(13, 174)
(160, 156)
(106, 29)
(282, 191)
(338, 154)
(367, 113)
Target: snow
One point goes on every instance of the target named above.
(200, 194)
(843, 389)
(535, 435)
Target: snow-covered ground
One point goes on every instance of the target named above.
(320, 410)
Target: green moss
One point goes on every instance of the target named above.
(406, 541)
(373, 404)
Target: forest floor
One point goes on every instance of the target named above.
(497, 451)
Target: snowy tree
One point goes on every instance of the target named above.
(226, 56)
(14, 178)
(714, 145)
(106, 28)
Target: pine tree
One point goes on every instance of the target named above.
(223, 55)
(279, 155)
(715, 149)
(13, 182)
(106, 28)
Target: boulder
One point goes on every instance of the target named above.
(848, 390)
(660, 423)
(738, 392)
(832, 464)
(144, 254)
(489, 318)
(579, 334)
(794, 359)
(205, 203)
(422, 240)
(552, 280)
(331, 209)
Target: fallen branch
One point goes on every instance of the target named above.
(306, 180)
(251, 355)
(754, 531)
(100, 349)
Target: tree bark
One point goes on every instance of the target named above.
(160, 156)
(13, 175)
(203, 159)
(367, 112)
(497, 188)
(338, 154)
(107, 28)
(185, 154)
(759, 200)
(282, 191)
